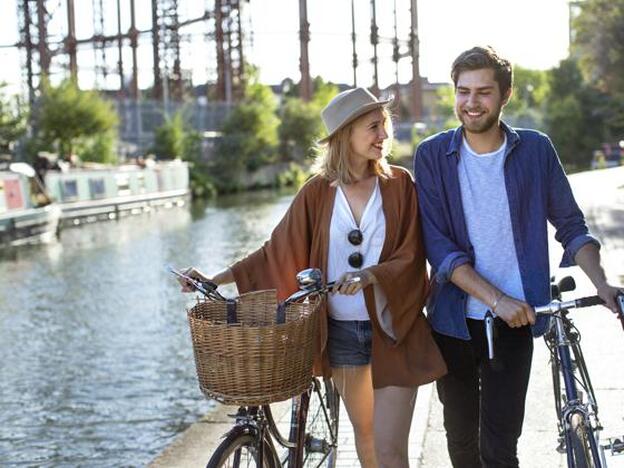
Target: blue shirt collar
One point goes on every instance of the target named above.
(512, 138)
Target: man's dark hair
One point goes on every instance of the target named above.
(478, 58)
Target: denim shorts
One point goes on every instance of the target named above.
(349, 342)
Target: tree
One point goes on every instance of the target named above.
(301, 123)
(599, 42)
(12, 121)
(573, 115)
(68, 115)
(169, 137)
(525, 108)
(250, 136)
(301, 126)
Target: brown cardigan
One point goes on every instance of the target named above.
(301, 240)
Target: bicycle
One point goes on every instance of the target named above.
(312, 440)
(578, 422)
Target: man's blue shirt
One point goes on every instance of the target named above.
(538, 191)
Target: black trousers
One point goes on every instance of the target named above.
(484, 401)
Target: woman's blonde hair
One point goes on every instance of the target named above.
(332, 160)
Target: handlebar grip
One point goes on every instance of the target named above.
(589, 301)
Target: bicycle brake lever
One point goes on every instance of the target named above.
(489, 333)
(619, 300)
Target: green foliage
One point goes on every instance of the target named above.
(201, 181)
(301, 126)
(599, 41)
(12, 121)
(169, 137)
(419, 135)
(525, 108)
(323, 92)
(530, 88)
(572, 115)
(295, 176)
(444, 109)
(99, 148)
(67, 115)
(599, 44)
(250, 137)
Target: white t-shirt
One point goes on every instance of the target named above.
(486, 209)
(373, 229)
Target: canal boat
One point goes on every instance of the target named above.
(97, 192)
(27, 215)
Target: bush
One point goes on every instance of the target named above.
(100, 148)
(300, 128)
(295, 176)
(250, 137)
(169, 138)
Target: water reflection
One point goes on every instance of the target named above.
(97, 365)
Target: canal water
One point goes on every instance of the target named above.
(96, 363)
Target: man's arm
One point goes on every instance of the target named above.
(514, 312)
(443, 253)
(588, 258)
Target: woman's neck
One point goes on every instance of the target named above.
(360, 171)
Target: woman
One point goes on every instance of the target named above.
(357, 221)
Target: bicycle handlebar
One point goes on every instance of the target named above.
(207, 288)
(555, 306)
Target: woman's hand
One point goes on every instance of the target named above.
(193, 273)
(353, 282)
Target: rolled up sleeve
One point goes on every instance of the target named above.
(574, 246)
(448, 265)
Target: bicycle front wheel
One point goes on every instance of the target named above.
(321, 425)
(240, 449)
(581, 443)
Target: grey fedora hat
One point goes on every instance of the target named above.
(346, 107)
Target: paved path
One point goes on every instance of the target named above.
(194, 447)
(601, 196)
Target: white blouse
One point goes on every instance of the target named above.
(373, 229)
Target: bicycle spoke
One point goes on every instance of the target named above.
(322, 426)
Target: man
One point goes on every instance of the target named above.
(485, 193)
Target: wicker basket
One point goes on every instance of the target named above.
(254, 361)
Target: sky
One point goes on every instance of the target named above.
(531, 33)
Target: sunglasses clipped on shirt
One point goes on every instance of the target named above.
(356, 259)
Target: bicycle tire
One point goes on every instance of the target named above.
(321, 426)
(239, 449)
(580, 444)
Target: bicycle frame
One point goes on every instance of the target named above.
(259, 422)
(564, 343)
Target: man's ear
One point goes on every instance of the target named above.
(507, 96)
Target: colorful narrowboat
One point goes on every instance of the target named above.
(27, 215)
(95, 193)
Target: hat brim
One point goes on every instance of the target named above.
(361, 111)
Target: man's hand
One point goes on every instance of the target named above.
(515, 313)
(607, 293)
